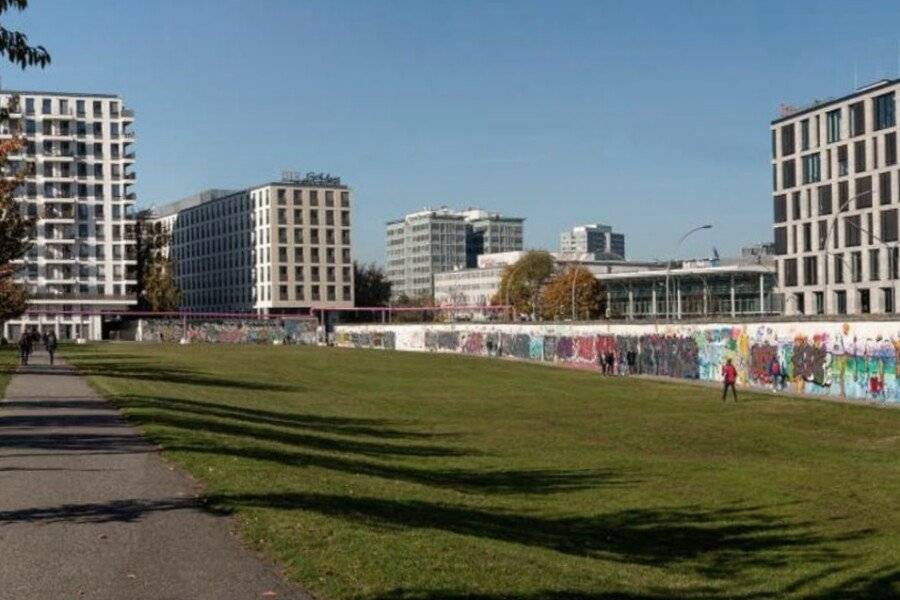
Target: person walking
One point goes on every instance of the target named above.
(24, 347)
(50, 344)
(729, 376)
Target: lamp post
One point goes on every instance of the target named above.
(669, 264)
(828, 234)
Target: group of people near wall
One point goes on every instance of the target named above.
(31, 338)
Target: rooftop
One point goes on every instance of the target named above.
(790, 112)
(46, 93)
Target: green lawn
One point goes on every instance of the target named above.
(9, 358)
(372, 474)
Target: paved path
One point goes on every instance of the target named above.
(88, 510)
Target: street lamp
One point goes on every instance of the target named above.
(669, 265)
(828, 234)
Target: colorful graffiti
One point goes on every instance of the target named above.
(229, 331)
(829, 359)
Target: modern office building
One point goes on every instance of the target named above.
(420, 245)
(596, 238)
(276, 248)
(490, 233)
(425, 243)
(78, 150)
(834, 176)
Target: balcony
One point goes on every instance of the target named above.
(129, 135)
(127, 113)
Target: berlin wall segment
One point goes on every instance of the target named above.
(854, 360)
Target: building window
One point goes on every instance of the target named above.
(887, 295)
(834, 126)
(863, 191)
(788, 174)
(889, 225)
(874, 259)
(810, 271)
(800, 303)
(890, 149)
(824, 200)
(843, 196)
(893, 267)
(884, 187)
(838, 268)
(884, 111)
(865, 306)
(811, 168)
(823, 235)
(843, 162)
(819, 298)
(804, 135)
(780, 241)
(807, 237)
(790, 272)
(787, 140)
(840, 301)
(856, 267)
(852, 231)
(795, 205)
(857, 119)
(859, 156)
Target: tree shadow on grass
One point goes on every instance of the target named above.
(718, 542)
(147, 370)
(502, 481)
(381, 428)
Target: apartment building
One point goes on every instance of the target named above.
(276, 248)
(595, 238)
(78, 150)
(835, 208)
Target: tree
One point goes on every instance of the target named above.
(521, 283)
(15, 234)
(371, 287)
(14, 44)
(557, 295)
(15, 227)
(156, 289)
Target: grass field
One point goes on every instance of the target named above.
(9, 358)
(372, 474)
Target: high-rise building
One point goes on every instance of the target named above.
(275, 248)
(490, 233)
(425, 243)
(596, 238)
(420, 245)
(77, 147)
(834, 179)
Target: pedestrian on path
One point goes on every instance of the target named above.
(729, 375)
(50, 344)
(24, 347)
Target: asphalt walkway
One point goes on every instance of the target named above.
(88, 509)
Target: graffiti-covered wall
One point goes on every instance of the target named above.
(847, 360)
(228, 331)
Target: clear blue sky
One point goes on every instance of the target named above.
(652, 117)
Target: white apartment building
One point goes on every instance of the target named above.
(78, 149)
(834, 176)
(595, 238)
(276, 248)
(424, 244)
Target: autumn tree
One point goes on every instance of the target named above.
(15, 227)
(521, 282)
(574, 290)
(156, 289)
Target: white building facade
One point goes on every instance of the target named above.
(78, 150)
(835, 203)
(595, 238)
(277, 248)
